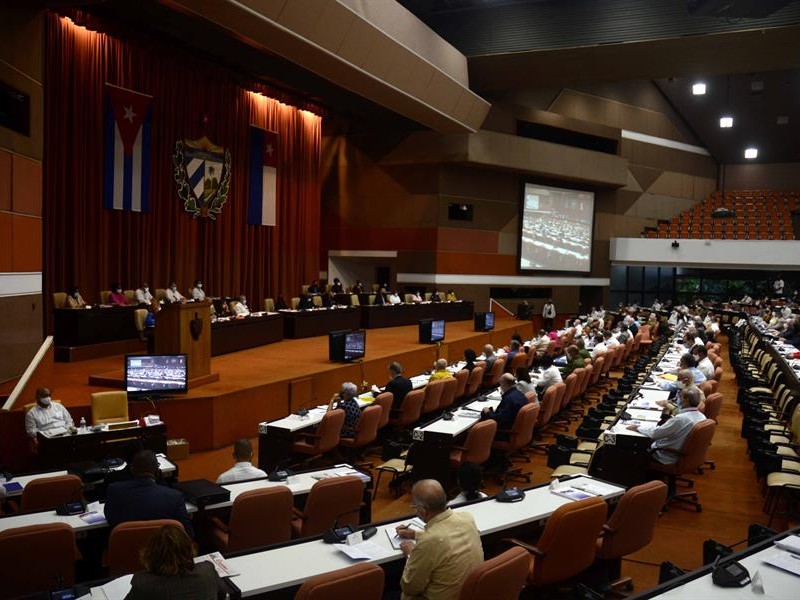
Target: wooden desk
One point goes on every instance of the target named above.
(321, 321)
(373, 317)
(250, 332)
(85, 326)
(58, 452)
(291, 564)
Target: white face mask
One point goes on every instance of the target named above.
(680, 385)
(46, 401)
(147, 289)
(174, 288)
(199, 286)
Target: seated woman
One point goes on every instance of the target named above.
(116, 297)
(74, 299)
(523, 377)
(171, 571)
(469, 357)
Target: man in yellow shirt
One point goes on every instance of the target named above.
(444, 552)
(440, 371)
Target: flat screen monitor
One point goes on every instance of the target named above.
(431, 331)
(484, 321)
(155, 374)
(556, 227)
(346, 345)
(355, 345)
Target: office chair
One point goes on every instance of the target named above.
(363, 581)
(258, 518)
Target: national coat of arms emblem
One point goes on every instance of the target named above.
(203, 173)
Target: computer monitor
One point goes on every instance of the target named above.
(156, 374)
(355, 345)
(431, 331)
(484, 321)
(346, 345)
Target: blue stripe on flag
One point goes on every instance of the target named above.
(254, 216)
(146, 161)
(108, 158)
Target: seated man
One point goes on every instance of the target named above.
(574, 360)
(240, 308)
(143, 296)
(513, 349)
(46, 416)
(74, 299)
(489, 359)
(683, 383)
(599, 346)
(506, 411)
(394, 298)
(686, 362)
(346, 400)
(173, 295)
(314, 287)
(336, 286)
(440, 371)
(142, 499)
(673, 433)
(243, 469)
(306, 302)
(398, 385)
(549, 375)
(444, 552)
(358, 287)
(704, 364)
(197, 292)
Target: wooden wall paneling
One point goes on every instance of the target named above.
(26, 252)
(6, 242)
(21, 332)
(5, 180)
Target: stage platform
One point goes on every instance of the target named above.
(269, 382)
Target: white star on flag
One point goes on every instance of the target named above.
(269, 149)
(129, 114)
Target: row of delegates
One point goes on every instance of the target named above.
(142, 295)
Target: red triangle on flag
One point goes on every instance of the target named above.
(130, 109)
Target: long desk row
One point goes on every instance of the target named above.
(84, 327)
(299, 484)
(775, 583)
(290, 565)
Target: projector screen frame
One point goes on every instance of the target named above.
(564, 185)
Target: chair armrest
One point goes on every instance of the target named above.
(308, 436)
(296, 512)
(529, 547)
(217, 522)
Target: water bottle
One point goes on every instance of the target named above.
(82, 428)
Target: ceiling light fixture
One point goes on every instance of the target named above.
(698, 89)
(751, 153)
(726, 122)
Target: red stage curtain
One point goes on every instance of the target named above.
(89, 246)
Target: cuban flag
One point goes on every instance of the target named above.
(127, 150)
(263, 176)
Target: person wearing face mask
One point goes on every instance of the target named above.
(143, 295)
(240, 308)
(116, 297)
(74, 299)
(197, 291)
(668, 438)
(173, 295)
(684, 382)
(45, 416)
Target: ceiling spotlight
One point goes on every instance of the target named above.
(726, 122)
(698, 89)
(751, 153)
(782, 120)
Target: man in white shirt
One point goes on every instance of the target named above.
(197, 291)
(240, 308)
(550, 375)
(143, 295)
(778, 287)
(599, 346)
(243, 469)
(609, 340)
(704, 364)
(173, 295)
(672, 434)
(548, 314)
(46, 416)
(394, 298)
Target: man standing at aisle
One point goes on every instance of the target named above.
(548, 314)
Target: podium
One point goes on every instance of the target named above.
(186, 329)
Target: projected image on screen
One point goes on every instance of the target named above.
(556, 229)
(155, 373)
